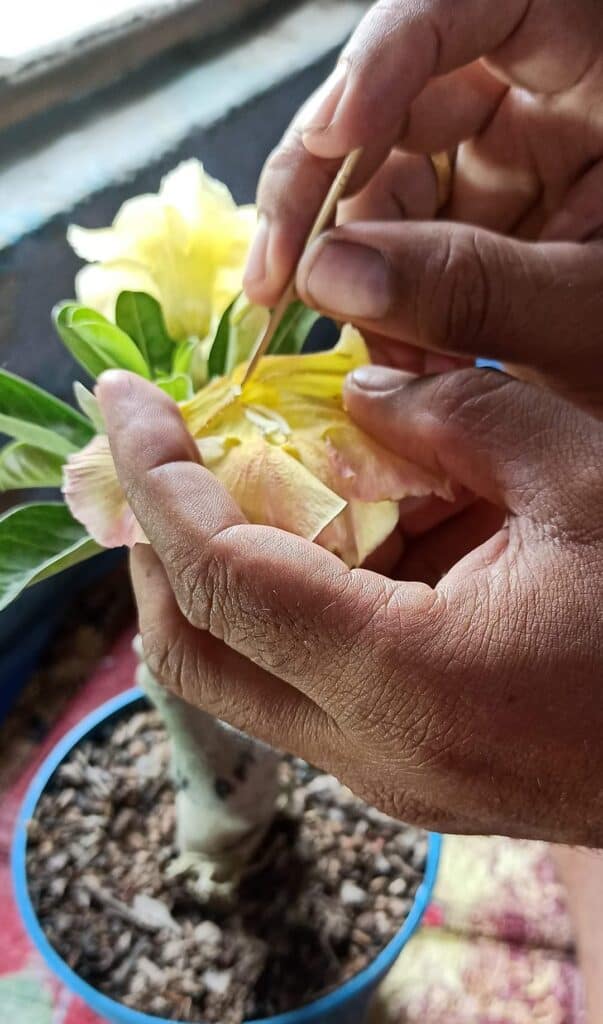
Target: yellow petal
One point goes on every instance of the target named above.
(190, 239)
(321, 375)
(99, 284)
(272, 488)
(361, 468)
(95, 498)
(359, 530)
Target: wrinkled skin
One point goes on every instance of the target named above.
(456, 682)
(514, 267)
(471, 705)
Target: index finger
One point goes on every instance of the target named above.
(284, 603)
(395, 51)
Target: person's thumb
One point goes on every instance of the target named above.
(463, 290)
(509, 442)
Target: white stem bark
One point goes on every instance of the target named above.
(226, 786)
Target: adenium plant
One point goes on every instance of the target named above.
(161, 296)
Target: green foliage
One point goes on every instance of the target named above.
(178, 386)
(22, 465)
(88, 403)
(293, 330)
(96, 343)
(38, 541)
(183, 354)
(241, 326)
(141, 317)
(218, 356)
(31, 415)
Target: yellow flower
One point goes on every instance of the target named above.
(185, 246)
(285, 449)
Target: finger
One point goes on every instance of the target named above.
(429, 557)
(402, 356)
(500, 438)
(208, 674)
(466, 291)
(453, 108)
(284, 603)
(581, 215)
(405, 187)
(394, 54)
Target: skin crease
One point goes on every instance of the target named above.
(513, 266)
(453, 698)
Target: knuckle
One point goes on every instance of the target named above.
(291, 172)
(466, 400)
(202, 584)
(164, 657)
(456, 298)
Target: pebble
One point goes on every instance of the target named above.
(217, 982)
(397, 907)
(361, 938)
(151, 971)
(382, 923)
(340, 878)
(208, 932)
(122, 821)
(57, 862)
(351, 895)
(398, 887)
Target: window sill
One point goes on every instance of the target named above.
(49, 78)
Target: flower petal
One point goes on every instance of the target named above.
(99, 284)
(359, 530)
(274, 489)
(284, 380)
(190, 239)
(361, 468)
(95, 498)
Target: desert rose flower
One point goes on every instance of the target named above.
(186, 246)
(286, 450)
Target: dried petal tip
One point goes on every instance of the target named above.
(95, 498)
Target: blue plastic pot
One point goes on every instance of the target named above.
(347, 1005)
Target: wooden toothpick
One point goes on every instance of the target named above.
(324, 218)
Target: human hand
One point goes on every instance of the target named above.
(473, 706)
(515, 270)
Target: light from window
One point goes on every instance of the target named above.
(32, 26)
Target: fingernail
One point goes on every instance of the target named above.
(320, 110)
(347, 279)
(377, 378)
(110, 383)
(256, 261)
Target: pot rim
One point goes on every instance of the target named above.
(354, 987)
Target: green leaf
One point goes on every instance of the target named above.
(293, 330)
(96, 343)
(22, 465)
(88, 403)
(183, 354)
(141, 317)
(179, 386)
(30, 414)
(38, 541)
(218, 356)
(238, 331)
